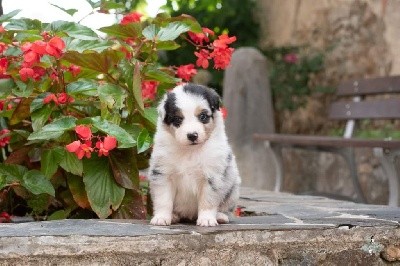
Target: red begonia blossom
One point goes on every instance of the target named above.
(55, 47)
(202, 58)
(75, 70)
(4, 216)
(60, 98)
(107, 145)
(131, 17)
(149, 89)
(222, 57)
(200, 38)
(224, 112)
(223, 41)
(3, 65)
(290, 58)
(39, 47)
(84, 132)
(186, 72)
(3, 47)
(80, 149)
(35, 73)
(4, 140)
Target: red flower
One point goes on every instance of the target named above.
(186, 72)
(224, 112)
(107, 145)
(291, 58)
(201, 37)
(26, 73)
(223, 41)
(38, 72)
(75, 70)
(202, 58)
(39, 47)
(2, 30)
(4, 140)
(64, 98)
(222, 57)
(4, 216)
(131, 17)
(149, 89)
(31, 58)
(3, 47)
(50, 97)
(83, 132)
(80, 149)
(3, 65)
(55, 46)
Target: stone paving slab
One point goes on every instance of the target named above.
(281, 229)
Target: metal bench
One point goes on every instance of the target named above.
(359, 107)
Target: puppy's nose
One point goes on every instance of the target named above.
(192, 136)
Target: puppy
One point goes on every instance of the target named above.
(193, 173)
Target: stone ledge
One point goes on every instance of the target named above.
(286, 230)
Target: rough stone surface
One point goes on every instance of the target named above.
(283, 229)
(247, 98)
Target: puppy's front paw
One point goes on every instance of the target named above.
(207, 221)
(160, 220)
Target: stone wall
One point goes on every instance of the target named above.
(359, 38)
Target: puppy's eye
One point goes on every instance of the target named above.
(204, 118)
(177, 120)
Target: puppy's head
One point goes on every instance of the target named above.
(189, 112)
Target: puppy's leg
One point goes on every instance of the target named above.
(162, 193)
(208, 205)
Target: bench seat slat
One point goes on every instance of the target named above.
(306, 140)
(372, 109)
(372, 86)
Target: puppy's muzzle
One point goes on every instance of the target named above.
(192, 136)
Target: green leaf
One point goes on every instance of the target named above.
(55, 129)
(77, 188)
(94, 4)
(167, 45)
(168, 33)
(37, 183)
(137, 88)
(143, 141)
(39, 203)
(28, 36)
(112, 95)
(124, 139)
(24, 24)
(7, 16)
(21, 112)
(23, 89)
(59, 215)
(151, 115)
(3, 182)
(132, 206)
(103, 192)
(12, 172)
(73, 29)
(6, 86)
(72, 164)
(80, 46)
(86, 87)
(156, 74)
(70, 11)
(124, 168)
(40, 117)
(131, 30)
(101, 62)
(50, 160)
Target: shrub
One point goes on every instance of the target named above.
(78, 110)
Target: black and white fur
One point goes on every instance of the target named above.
(193, 173)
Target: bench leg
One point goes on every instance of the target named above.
(348, 154)
(389, 167)
(277, 159)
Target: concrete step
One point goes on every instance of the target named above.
(281, 229)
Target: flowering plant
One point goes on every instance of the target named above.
(77, 110)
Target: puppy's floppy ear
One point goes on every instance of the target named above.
(213, 99)
(161, 106)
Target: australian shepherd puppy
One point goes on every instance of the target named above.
(193, 173)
